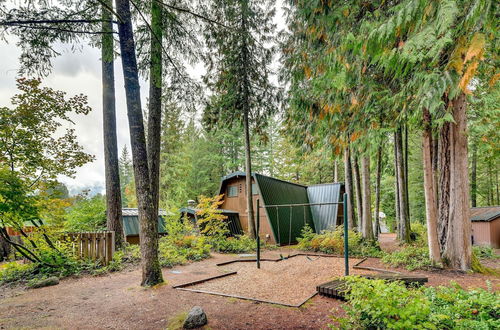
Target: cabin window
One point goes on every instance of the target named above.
(255, 189)
(232, 191)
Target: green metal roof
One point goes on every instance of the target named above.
(286, 222)
(131, 225)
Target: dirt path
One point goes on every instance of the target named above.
(116, 301)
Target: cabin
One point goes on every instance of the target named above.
(282, 225)
(130, 221)
(486, 226)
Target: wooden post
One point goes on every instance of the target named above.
(92, 246)
(85, 245)
(257, 229)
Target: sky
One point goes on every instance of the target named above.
(80, 72)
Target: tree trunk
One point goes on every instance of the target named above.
(357, 186)
(405, 162)
(444, 184)
(367, 226)
(430, 195)
(377, 191)
(396, 189)
(351, 220)
(457, 251)
(155, 102)
(246, 122)
(111, 168)
(404, 220)
(148, 220)
(473, 189)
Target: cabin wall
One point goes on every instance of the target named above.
(495, 233)
(481, 233)
(239, 204)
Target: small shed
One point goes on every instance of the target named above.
(486, 226)
(232, 218)
(130, 220)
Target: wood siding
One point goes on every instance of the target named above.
(238, 204)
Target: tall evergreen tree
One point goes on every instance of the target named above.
(239, 72)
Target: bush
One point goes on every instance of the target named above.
(375, 304)
(485, 252)
(332, 242)
(239, 244)
(410, 257)
(178, 250)
(14, 271)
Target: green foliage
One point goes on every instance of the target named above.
(410, 257)
(29, 144)
(86, 214)
(179, 250)
(485, 252)
(211, 221)
(239, 244)
(14, 271)
(375, 304)
(332, 242)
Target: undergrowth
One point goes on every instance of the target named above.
(376, 304)
(332, 242)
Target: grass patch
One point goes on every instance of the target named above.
(177, 322)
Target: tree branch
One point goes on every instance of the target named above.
(51, 21)
(187, 11)
(60, 30)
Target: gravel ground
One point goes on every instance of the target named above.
(287, 282)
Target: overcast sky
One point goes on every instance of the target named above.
(75, 73)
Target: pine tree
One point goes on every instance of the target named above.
(239, 73)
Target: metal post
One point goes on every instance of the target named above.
(346, 237)
(258, 232)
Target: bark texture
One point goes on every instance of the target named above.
(473, 184)
(155, 102)
(148, 220)
(430, 195)
(377, 191)
(367, 226)
(456, 238)
(112, 176)
(404, 217)
(246, 120)
(359, 198)
(351, 220)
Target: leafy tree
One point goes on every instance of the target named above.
(126, 174)
(29, 144)
(86, 214)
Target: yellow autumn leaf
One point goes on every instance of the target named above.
(307, 72)
(494, 79)
(345, 12)
(456, 59)
(468, 75)
(476, 47)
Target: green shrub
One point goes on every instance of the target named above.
(419, 232)
(14, 271)
(410, 257)
(178, 250)
(485, 252)
(375, 304)
(239, 244)
(332, 242)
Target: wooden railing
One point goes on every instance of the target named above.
(97, 246)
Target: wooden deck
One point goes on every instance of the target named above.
(338, 288)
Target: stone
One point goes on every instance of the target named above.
(45, 282)
(196, 318)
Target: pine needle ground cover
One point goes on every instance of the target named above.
(286, 282)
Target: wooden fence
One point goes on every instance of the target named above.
(98, 246)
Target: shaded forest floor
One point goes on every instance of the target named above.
(116, 301)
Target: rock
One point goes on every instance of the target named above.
(45, 282)
(196, 318)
